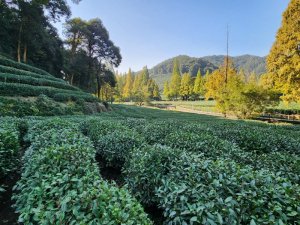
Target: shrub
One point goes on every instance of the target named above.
(116, 147)
(155, 131)
(222, 192)
(15, 71)
(25, 90)
(259, 140)
(60, 183)
(96, 127)
(9, 148)
(12, 63)
(145, 170)
(12, 78)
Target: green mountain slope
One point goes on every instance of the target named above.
(249, 63)
(163, 70)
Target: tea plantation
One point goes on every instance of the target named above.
(145, 166)
(27, 90)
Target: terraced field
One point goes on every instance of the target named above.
(146, 166)
(27, 90)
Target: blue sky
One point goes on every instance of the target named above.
(149, 31)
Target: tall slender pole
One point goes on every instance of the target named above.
(227, 55)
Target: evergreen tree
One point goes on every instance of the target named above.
(127, 91)
(175, 82)
(145, 75)
(284, 59)
(186, 86)
(156, 94)
(242, 75)
(199, 85)
(166, 91)
(252, 79)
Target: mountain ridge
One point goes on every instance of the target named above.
(163, 70)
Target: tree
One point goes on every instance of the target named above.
(186, 86)
(242, 75)
(127, 92)
(145, 75)
(250, 100)
(166, 91)
(156, 94)
(198, 88)
(28, 35)
(118, 90)
(222, 84)
(92, 38)
(284, 60)
(175, 82)
(252, 78)
(74, 30)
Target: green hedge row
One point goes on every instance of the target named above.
(194, 190)
(9, 148)
(41, 106)
(11, 78)
(253, 138)
(60, 183)
(10, 70)
(112, 141)
(22, 66)
(222, 192)
(25, 90)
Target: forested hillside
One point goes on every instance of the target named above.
(248, 63)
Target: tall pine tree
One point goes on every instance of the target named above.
(283, 62)
(175, 81)
(127, 91)
(186, 87)
(199, 85)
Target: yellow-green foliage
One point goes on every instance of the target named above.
(283, 62)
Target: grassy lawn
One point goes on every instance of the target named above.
(207, 106)
(141, 112)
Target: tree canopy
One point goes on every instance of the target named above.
(283, 62)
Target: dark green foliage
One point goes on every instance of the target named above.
(12, 70)
(11, 63)
(257, 139)
(145, 170)
(116, 147)
(25, 90)
(156, 131)
(9, 148)
(60, 183)
(96, 127)
(12, 78)
(222, 192)
(41, 106)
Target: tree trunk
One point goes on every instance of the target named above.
(25, 53)
(71, 79)
(98, 86)
(19, 42)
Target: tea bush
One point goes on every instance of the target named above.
(9, 148)
(222, 192)
(11, 70)
(116, 147)
(11, 63)
(60, 183)
(146, 168)
(12, 78)
(25, 90)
